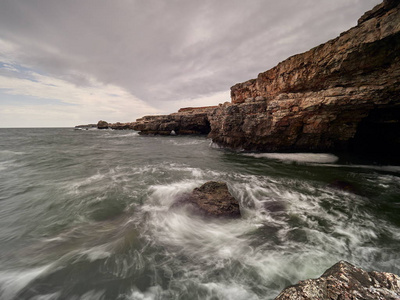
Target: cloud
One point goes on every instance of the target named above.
(44, 100)
(164, 51)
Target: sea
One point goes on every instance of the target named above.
(86, 214)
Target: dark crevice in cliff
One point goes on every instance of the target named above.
(378, 133)
(207, 127)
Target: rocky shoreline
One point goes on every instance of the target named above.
(341, 281)
(341, 95)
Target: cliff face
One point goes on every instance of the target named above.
(341, 94)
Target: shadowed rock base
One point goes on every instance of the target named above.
(345, 282)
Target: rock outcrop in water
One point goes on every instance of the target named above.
(212, 199)
(186, 121)
(343, 94)
(346, 282)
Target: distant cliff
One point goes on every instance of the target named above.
(186, 121)
(341, 95)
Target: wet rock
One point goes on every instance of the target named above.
(102, 124)
(345, 282)
(212, 199)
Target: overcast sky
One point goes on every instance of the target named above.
(64, 63)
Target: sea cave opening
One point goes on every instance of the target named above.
(378, 133)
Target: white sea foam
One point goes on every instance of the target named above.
(13, 281)
(228, 291)
(151, 294)
(301, 250)
(52, 296)
(165, 195)
(179, 142)
(119, 135)
(321, 158)
(95, 253)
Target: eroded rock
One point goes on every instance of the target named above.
(185, 122)
(212, 199)
(345, 282)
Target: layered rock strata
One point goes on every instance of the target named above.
(344, 93)
(186, 121)
(346, 282)
(212, 199)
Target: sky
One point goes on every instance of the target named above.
(72, 62)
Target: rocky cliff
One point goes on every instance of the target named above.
(342, 94)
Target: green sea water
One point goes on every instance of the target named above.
(86, 215)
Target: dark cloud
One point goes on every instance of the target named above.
(169, 50)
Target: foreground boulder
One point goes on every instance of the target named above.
(212, 199)
(345, 282)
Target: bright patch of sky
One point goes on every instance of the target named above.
(37, 100)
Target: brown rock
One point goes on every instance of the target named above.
(343, 94)
(102, 125)
(345, 282)
(122, 126)
(187, 121)
(212, 199)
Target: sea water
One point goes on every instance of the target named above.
(86, 215)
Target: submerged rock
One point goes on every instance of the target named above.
(346, 282)
(211, 199)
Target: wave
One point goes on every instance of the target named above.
(181, 142)
(322, 158)
(113, 135)
(12, 281)
(286, 225)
